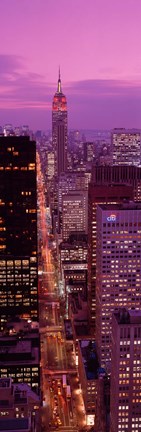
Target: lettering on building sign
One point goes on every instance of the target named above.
(111, 218)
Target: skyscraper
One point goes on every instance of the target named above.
(59, 129)
(109, 184)
(125, 403)
(68, 182)
(126, 146)
(118, 276)
(18, 229)
(98, 194)
(74, 213)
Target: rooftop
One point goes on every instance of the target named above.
(131, 205)
(125, 316)
(20, 346)
(5, 382)
(14, 425)
(15, 349)
(89, 357)
(125, 131)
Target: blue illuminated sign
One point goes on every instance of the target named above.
(111, 218)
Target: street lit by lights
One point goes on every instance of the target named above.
(44, 403)
(76, 360)
(78, 391)
(40, 272)
(90, 419)
(52, 333)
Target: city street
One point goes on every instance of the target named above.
(59, 410)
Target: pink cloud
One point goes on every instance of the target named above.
(97, 103)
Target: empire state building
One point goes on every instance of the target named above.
(59, 130)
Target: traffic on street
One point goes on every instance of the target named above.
(63, 406)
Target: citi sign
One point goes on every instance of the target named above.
(111, 218)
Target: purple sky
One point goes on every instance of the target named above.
(96, 43)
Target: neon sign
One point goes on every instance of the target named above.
(111, 218)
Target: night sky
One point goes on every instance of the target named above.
(97, 45)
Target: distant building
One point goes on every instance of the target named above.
(126, 145)
(71, 182)
(25, 130)
(8, 130)
(50, 165)
(59, 130)
(125, 409)
(89, 151)
(105, 159)
(118, 275)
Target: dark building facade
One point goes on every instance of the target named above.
(18, 229)
(20, 354)
(119, 174)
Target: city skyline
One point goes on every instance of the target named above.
(70, 216)
(96, 45)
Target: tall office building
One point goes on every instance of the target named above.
(70, 182)
(74, 213)
(126, 145)
(124, 179)
(73, 263)
(18, 229)
(125, 410)
(118, 259)
(59, 130)
(98, 194)
(89, 151)
(50, 165)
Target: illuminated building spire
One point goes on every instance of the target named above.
(59, 129)
(59, 90)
